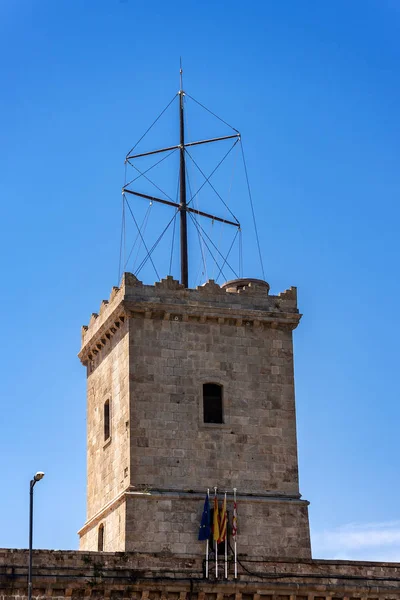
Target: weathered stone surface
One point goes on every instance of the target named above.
(108, 379)
(148, 354)
(139, 576)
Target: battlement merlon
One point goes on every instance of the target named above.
(241, 302)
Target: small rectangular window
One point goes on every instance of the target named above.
(106, 420)
(212, 403)
(100, 538)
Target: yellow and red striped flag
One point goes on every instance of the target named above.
(223, 523)
(216, 520)
(234, 520)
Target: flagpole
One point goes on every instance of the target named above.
(208, 539)
(235, 527)
(205, 530)
(216, 541)
(226, 546)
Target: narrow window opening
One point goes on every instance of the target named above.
(100, 538)
(106, 420)
(212, 403)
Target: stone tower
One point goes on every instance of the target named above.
(159, 360)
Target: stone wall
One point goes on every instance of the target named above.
(255, 449)
(150, 350)
(75, 575)
(113, 519)
(107, 460)
(169, 522)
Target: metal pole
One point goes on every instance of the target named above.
(226, 543)
(39, 475)
(208, 540)
(215, 540)
(235, 528)
(182, 196)
(32, 483)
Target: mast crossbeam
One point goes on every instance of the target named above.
(218, 139)
(213, 217)
(152, 152)
(151, 198)
(182, 207)
(178, 206)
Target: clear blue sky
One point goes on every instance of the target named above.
(314, 87)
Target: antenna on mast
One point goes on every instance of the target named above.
(182, 190)
(183, 207)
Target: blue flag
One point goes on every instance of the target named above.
(205, 525)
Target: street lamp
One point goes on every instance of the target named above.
(39, 475)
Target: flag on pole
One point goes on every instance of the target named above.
(234, 520)
(205, 524)
(216, 520)
(222, 523)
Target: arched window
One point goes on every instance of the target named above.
(107, 429)
(212, 403)
(100, 538)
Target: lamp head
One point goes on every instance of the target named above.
(39, 475)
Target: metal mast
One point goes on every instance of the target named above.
(183, 207)
(182, 192)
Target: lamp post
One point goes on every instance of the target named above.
(39, 475)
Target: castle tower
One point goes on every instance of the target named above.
(188, 389)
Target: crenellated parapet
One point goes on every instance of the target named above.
(241, 302)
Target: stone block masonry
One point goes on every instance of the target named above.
(151, 455)
(148, 353)
(132, 576)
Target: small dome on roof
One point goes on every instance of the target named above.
(236, 285)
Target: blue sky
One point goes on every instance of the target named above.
(314, 89)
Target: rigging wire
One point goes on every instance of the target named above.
(212, 243)
(227, 256)
(137, 237)
(252, 210)
(221, 255)
(212, 187)
(150, 181)
(223, 202)
(210, 111)
(143, 229)
(207, 180)
(172, 246)
(152, 125)
(122, 238)
(140, 267)
(149, 169)
(223, 228)
(173, 233)
(144, 243)
(201, 241)
(123, 234)
(196, 203)
(212, 172)
(205, 243)
(202, 234)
